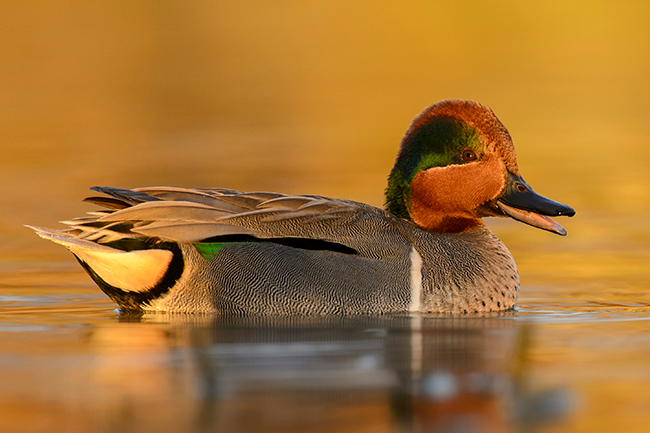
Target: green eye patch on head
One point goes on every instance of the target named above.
(438, 143)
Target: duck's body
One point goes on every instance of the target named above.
(217, 250)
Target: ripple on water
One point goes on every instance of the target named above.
(22, 327)
(54, 299)
(69, 307)
(609, 307)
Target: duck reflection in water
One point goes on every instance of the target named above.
(369, 373)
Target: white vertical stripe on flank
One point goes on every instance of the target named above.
(416, 280)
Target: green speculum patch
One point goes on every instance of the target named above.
(438, 143)
(209, 250)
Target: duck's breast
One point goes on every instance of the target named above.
(466, 272)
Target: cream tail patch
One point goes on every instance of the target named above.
(133, 271)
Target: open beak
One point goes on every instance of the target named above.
(523, 204)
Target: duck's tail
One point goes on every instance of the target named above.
(126, 276)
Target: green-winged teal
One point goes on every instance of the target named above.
(226, 251)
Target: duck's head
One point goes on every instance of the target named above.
(457, 164)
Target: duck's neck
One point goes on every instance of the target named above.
(446, 223)
(397, 194)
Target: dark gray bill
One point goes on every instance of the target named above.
(523, 204)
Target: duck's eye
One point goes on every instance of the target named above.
(468, 155)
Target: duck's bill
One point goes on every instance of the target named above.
(523, 204)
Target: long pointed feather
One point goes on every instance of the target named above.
(168, 211)
(219, 191)
(109, 202)
(130, 196)
(190, 232)
(69, 241)
(290, 202)
(192, 195)
(262, 195)
(240, 200)
(205, 199)
(320, 206)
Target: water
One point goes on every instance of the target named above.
(69, 358)
(312, 97)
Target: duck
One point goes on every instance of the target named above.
(223, 251)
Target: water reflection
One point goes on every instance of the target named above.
(74, 362)
(389, 373)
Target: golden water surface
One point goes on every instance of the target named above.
(313, 97)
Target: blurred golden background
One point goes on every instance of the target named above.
(313, 97)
